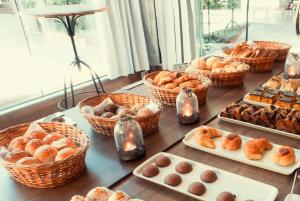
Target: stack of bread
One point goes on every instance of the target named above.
(39, 147)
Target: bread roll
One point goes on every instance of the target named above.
(232, 142)
(284, 156)
(65, 153)
(254, 148)
(78, 198)
(18, 143)
(15, 155)
(64, 143)
(137, 107)
(46, 153)
(119, 196)
(217, 64)
(32, 145)
(28, 161)
(144, 112)
(210, 62)
(125, 111)
(51, 137)
(39, 134)
(198, 63)
(99, 194)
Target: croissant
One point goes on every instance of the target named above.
(284, 156)
(254, 149)
(232, 142)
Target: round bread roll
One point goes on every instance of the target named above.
(15, 155)
(32, 145)
(137, 107)
(119, 196)
(107, 114)
(217, 64)
(78, 198)
(125, 111)
(46, 153)
(210, 62)
(284, 156)
(64, 143)
(99, 194)
(28, 161)
(65, 153)
(144, 112)
(18, 143)
(51, 137)
(39, 134)
(198, 63)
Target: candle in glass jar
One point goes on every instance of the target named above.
(129, 146)
(292, 71)
(187, 110)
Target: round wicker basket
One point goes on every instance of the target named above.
(105, 126)
(257, 65)
(282, 49)
(168, 96)
(50, 174)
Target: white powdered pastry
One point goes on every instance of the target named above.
(120, 196)
(88, 110)
(99, 194)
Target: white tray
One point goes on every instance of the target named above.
(295, 197)
(238, 155)
(259, 127)
(246, 100)
(227, 181)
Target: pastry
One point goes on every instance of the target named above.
(45, 153)
(210, 131)
(51, 137)
(65, 153)
(296, 106)
(18, 143)
(99, 194)
(78, 198)
(111, 107)
(137, 107)
(255, 96)
(187, 84)
(32, 145)
(119, 196)
(28, 161)
(199, 63)
(204, 136)
(39, 134)
(232, 142)
(107, 114)
(184, 167)
(170, 85)
(144, 112)
(284, 156)
(150, 171)
(254, 148)
(172, 179)
(197, 188)
(226, 196)
(64, 143)
(125, 111)
(210, 62)
(15, 155)
(98, 112)
(175, 74)
(273, 83)
(209, 176)
(284, 101)
(268, 98)
(161, 75)
(206, 141)
(162, 161)
(184, 78)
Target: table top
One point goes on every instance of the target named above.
(63, 10)
(105, 169)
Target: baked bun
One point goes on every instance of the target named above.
(284, 156)
(32, 145)
(64, 143)
(46, 153)
(99, 194)
(15, 155)
(212, 132)
(65, 153)
(204, 136)
(144, 112)
(198, 63)
(232, 142)
(39, 134)
(210, 62)
(107, 114)
(78, 198)
(254, 148)
(28, 161)
(51, 137)
(119, 196)
(18, 143)
(125, 111)
(137, 107)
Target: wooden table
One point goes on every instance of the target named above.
(105, 169)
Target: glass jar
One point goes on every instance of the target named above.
(129, 138)
(292, 66)
(187, 107)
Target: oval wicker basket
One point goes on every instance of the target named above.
(257, 65)
(51, 174)
(105, 126)
(168, 96)
(282, 49)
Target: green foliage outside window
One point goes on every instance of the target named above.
(221, 4)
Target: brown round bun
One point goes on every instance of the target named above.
(39, 134)
(150, 170)
(18, 143)
(64, 143)
(209, 176)
(111, 107)
(46, 153)
(210, 62)
(173, 179)
(144, 112)
(65, 153)
(197, 188)
(217, 64)
(28, 161)
(226, 196)
(198, 63)
(184, 167)
(32, 145)
(51, 137)
(14, 156)
(162, 161)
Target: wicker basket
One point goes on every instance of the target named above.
(282, 49)
(51, 174)
(257, 65)
(168, 96)
(105, 126)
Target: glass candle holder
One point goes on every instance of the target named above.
(292, 66)
(187, 107)
(129, 138)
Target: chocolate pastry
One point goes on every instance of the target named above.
(173, 179)
(162, 161)
(197, 188)
(261, 89)
(183, 167)
(99, 112)
(289, 122)
(107, 114)
(236, 112)
(296, 121)
(111, 107)
(226, 196)
(150, 171)
(209, 176)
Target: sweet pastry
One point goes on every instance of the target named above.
(65, 153)
(284, 156)
(15, 155)
(150, 171)
(273, 83)
(107, 114)
(64, 143)
(226, 196)
(78, 198)
(170, 85)
(172, 179)
(204, 136)
(255, 96)
(38, 134)
(245, 50)
(268, 98)
(160, 76)
(18, 143)
(28, 161)
(187, 84)
(209, 176)
(162, 161)
(296, 106)
(119, 196)
(210, 131)
(210, 62)
(51, 137)
(254, 148)
(46, 153)
(144, 112)
(199, 63)
(137, 107)
(284, 101)
(32, 146)
(232, 142)
(184, 167)
(206, 141)
(111, 107)
(125, 111)
(98, 112)
(197, 188)
(99, 194)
